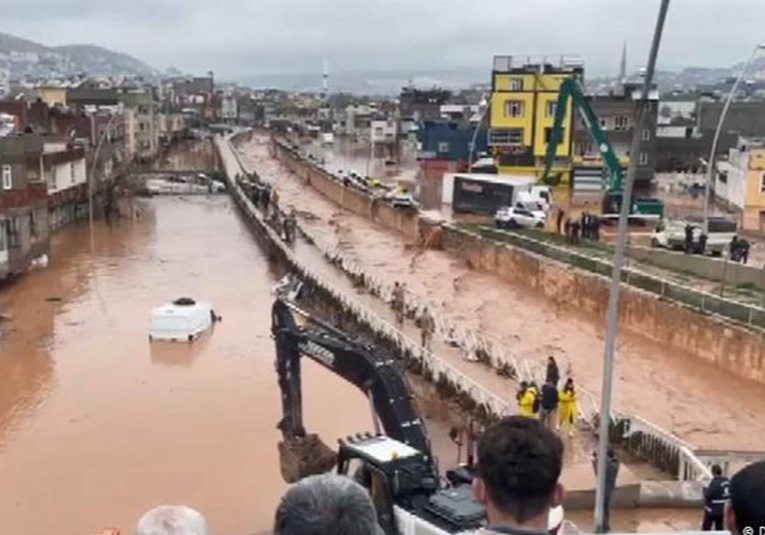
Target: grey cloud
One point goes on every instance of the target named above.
(234, 37)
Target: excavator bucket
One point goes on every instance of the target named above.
(305, 456)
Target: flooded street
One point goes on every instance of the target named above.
(677, 391)
(95, 427)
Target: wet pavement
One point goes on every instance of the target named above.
(679, 392)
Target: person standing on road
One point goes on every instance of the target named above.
(553, 373)
(427, 328)
(559, 220)
(716, 495)
(548, 405)
(688, 239)
(567, 407)
(525, 398)
(744, 251)
(397, 302)
(612, 473)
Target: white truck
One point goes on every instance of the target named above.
(670, 233)
(485, 194)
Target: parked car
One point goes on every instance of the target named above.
(514, 217)
(403, 200)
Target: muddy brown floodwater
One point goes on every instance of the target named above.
(680, 392)
(95, 427)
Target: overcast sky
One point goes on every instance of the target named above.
(240, 37)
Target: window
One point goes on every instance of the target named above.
(643, 158)
(762, 183)
(7, 177)
(33, 224)
(550, 108)
(443, 147)
(646, 134)
(621, 122)
(548, 135)
(647, 107)
(506, 136)
(516, 84)
(2, 235)
(71, 172)
(603, 123)
(514, 108)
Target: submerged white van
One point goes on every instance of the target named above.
(183, 320)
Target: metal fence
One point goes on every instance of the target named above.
(705, 302)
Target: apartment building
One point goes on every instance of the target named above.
(142, 122)
(617, 114)
(524, 95)
(24, 232)
(740, 182)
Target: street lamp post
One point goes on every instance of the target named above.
(478, 125)
(616, 274)
(91, 177)
(716, 139)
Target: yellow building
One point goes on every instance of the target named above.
(52, 96)
(523, 101)
(741, 182)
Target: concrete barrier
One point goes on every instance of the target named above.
(730, 346)
(713, 269)
(357, 202)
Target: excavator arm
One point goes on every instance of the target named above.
(372, 373)
(570, 89)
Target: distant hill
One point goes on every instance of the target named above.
(91, 58)
(69, 59)
(11, 43)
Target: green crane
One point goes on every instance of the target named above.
(614, 181)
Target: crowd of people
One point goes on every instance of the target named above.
(517, 479)
(266, 197)
(555, 408)
(586, 226)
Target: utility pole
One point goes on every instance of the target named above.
(716, 139)
(613, 298)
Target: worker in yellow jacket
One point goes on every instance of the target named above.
(567, 407)
(526, 397)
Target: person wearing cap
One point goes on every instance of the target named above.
(716, 495)
(517, 477)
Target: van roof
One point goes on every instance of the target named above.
(180, 311)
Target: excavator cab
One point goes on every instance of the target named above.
(405, 488)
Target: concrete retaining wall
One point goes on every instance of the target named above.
(357, 202)
(732, 347)
(715, 269)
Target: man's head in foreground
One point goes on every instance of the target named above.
(746, 508)
(519, 465)
(326, 504)
(172, 520)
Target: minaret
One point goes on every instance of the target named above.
(325, 79)
(623, 65)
